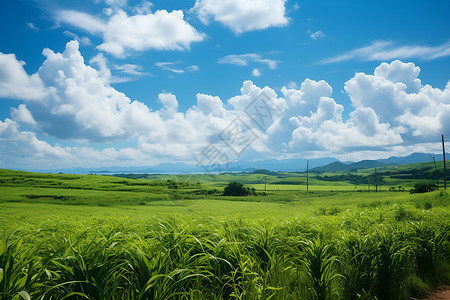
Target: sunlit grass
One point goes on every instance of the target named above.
(182, 242)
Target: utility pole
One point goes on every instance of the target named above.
(445, 167)
(376, 181)
(307, 175)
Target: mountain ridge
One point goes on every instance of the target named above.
(326, 164)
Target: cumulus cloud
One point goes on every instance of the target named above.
(17, 143)
(390, 108)
(208, 104)
(23, 115)
(396, 95)
(74, 102)
(169, 101)
(389, 50)
(162, 30)
(80, 103)
(16, 83)
(145, 30)
(305, 100)
(243, 15)
(82, 107)
(317, 123)
(82, 40)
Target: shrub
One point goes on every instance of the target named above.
(235, 189)
(423, 188)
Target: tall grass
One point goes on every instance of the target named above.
(20, 272)
(359, 265)
(172, 258)
(319, 264)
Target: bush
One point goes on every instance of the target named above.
(235, 189)
(423, 188)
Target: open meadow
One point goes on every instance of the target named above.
(177, 237)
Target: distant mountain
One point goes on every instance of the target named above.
(333, 167)
(339, 166)
(290, 165)
(367, 164)
(411, 159)
(327, 164)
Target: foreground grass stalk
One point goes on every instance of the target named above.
(319, 264)
(19, 272)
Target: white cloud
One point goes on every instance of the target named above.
(249, 92)
(192, 68)
(143, 8)
(208, 104)
(170, 66)
(32, 26)
(24, 145)
(16, 83)
(391, 109)
(316, 35)
(243, 60)
(161, 31)
(166, 66)
(23, 115)
(130, 69)
(83, 107)
(292, 85)
(388, 50)
(82, 104)
(169, 101)
(82, 40)
(396, 95)
(325, 130)
(316, 123)
(399, 72)
(117, 3)
(243, 15)
(256, 72)
(102, 66)
(307, 98)
(81, 20)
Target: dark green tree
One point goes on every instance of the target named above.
(423, 188)
(235, 189)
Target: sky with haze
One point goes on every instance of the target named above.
(135, 83)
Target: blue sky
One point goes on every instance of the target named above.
(117, 82)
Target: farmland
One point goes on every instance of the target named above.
(177, 237)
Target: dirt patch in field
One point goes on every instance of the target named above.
(442, 294)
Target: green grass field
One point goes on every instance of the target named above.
(177, 237)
